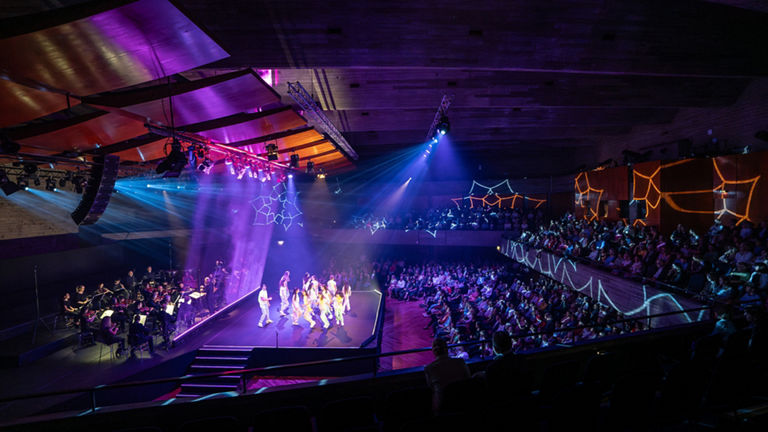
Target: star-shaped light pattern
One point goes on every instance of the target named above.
(277, 208)
(587, 193)
(724, 191)
(494, 196)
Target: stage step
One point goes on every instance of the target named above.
(216, 358)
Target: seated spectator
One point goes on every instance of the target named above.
(442, 371)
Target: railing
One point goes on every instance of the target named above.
(246, 374)
(593, 264)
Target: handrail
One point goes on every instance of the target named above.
(253, 371)
(595, 265)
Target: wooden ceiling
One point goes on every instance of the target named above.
(538, 87)
(530, 79)
(87, 79)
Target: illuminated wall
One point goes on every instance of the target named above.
(693, 192)
(598, 193)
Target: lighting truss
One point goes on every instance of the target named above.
(441, 111)
(226, 150)
(318, 118)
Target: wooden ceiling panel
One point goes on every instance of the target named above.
(19, 103)
(279, 121)
(105, 129)
(148, 152)
(196, 101)
(130, 44)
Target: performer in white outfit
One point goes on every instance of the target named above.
(324, 304)
(284, 293)
(346, 291)
(331, 286)
(296, 309)
(264, 299)
(308, 312)
(338, 309)
(314, 291)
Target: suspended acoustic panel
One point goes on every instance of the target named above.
(96, 47)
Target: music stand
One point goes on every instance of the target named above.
(38, 320)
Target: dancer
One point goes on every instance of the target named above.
(346, 291)
(331, 286)
(324, 305)
(284, 293)
(308, 309)
(295, 307)
(313, 290)
(264, 299)
(338, 309)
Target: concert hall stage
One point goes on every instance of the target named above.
(360, 325)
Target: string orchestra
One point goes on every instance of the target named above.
(157, 303)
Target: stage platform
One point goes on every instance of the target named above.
(359, 327)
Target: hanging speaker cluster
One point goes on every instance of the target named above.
(98, 191)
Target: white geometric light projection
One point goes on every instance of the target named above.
(277, 208)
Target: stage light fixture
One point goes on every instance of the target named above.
(443, 126)
(310, 167)
(79, 183)
(290, 176)
(294, 161)
(174, 163)
(30, 168)
(7, 185)
(50, 184)
(272, 152)
(23, 182)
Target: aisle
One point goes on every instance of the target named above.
(403, 330)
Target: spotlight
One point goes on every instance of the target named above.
(30, 168)
(79, 183)
(23, 182)
(272, 152)
(444, 126)
(310, 167)
(50, 184)
(7, 146)
(290, 176)
(7, 185)
(294, 161)
(321, 174)
(280, 242)
(174, 163)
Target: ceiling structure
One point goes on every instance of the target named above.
(538, 87)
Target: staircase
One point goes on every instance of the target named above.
(215, 358)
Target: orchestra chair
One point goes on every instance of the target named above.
(142, 346)
(85, 339)
(111, 347)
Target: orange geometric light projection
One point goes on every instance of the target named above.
(725, 191)
(586, 193)
(495, 196)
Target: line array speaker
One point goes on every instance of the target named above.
(97, 193)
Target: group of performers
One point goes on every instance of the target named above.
(311, 301)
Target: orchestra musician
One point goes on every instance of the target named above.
(264, 300)
(138, 334)
(109, 336)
